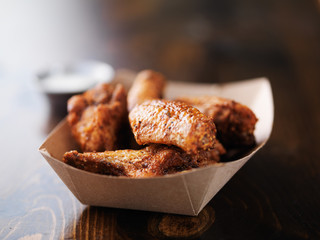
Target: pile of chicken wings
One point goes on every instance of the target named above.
(161, 136)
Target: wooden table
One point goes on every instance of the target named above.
(274, 196)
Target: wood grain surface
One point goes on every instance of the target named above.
(274, 196)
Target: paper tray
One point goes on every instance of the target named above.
(184, 193)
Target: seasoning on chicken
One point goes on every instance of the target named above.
(96, 116)
(235, 122)
(154, 160)
(172, 123)
(147, 85)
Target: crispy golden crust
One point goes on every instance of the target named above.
(172, 123)
(147, 85)
(154, 160)
(235, 122)
(96, 116)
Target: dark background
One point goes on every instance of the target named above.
(274, 196)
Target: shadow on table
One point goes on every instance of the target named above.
(108, 223)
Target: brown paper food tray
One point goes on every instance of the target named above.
(184, 193)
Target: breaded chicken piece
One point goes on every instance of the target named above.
(96, 116)
(235, 122)
(172, 123)
(147, 85)
(154, 160)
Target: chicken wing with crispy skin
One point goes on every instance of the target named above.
(172, 123)
(147, 85)
(235, 122)
(154, 160)
(96, 116)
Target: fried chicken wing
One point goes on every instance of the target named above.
(96, 116)
(172, 123)
(147, 85)
(235, 122)
(154, 160)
